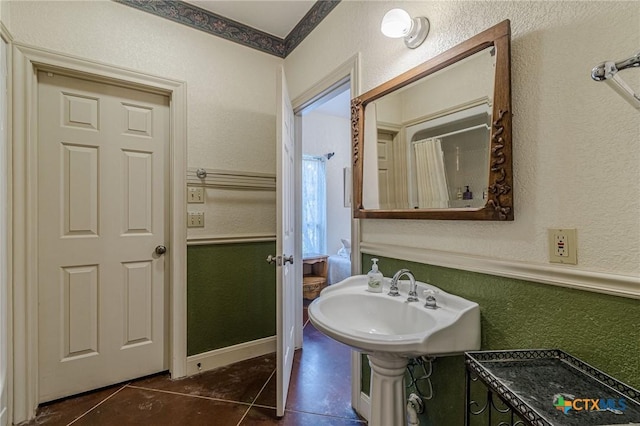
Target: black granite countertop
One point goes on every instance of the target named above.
(550, 387)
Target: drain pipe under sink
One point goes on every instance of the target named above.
(415, 406)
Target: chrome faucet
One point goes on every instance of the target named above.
(393, 291)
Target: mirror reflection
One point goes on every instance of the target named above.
(427, 145)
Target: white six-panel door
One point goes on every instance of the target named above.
(102, 181)
(385, 171)
(285, 242)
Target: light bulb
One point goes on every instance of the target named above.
(396, 23)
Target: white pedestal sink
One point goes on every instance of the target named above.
(388, 394)
(390, 331)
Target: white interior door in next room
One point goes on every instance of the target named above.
(102, 211)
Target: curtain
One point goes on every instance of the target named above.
(314, 205)
(430, 174)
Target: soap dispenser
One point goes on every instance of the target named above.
(374, 282)
(467, 195)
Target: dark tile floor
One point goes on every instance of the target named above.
(241, 394)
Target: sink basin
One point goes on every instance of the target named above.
(390, 331)
(379, 323)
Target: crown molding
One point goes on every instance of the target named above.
(217, 25)
(314, 16)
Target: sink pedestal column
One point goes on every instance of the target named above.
(388, 400)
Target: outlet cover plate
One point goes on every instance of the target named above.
(563, 246)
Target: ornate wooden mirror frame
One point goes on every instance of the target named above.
(499, 204)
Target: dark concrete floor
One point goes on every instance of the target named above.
(236, 395)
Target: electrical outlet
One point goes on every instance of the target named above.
(195, 194)
(563, 246)
(195, 219)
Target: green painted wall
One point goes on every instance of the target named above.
(231, 295)
(602, 330)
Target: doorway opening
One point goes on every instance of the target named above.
(326, 187)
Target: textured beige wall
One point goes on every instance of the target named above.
(230, 90)
(4, 12)
(576, 142)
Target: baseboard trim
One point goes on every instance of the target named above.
(225, 356)
(364, 408)
(563, 276)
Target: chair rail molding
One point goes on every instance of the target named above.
(205, 240)
(231, 179)
(599, 282)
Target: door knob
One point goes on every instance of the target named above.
(161, 250)
(288, 259)
(272, 259)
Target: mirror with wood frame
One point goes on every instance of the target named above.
(435, 142)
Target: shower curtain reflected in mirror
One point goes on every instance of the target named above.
(430, 174)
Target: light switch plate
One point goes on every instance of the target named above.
(195, 219)
(563, 246)
(195, 194)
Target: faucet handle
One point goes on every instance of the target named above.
(430, 299)
(393, 290)
(413, 297)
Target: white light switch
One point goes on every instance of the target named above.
(195, 219)
(195, 194)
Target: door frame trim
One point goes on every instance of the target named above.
(6, 358)
(350, 69)
(27, 61)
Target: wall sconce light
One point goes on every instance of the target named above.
(397, 23)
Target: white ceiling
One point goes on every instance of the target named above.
(339, 105)
(276, 17)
